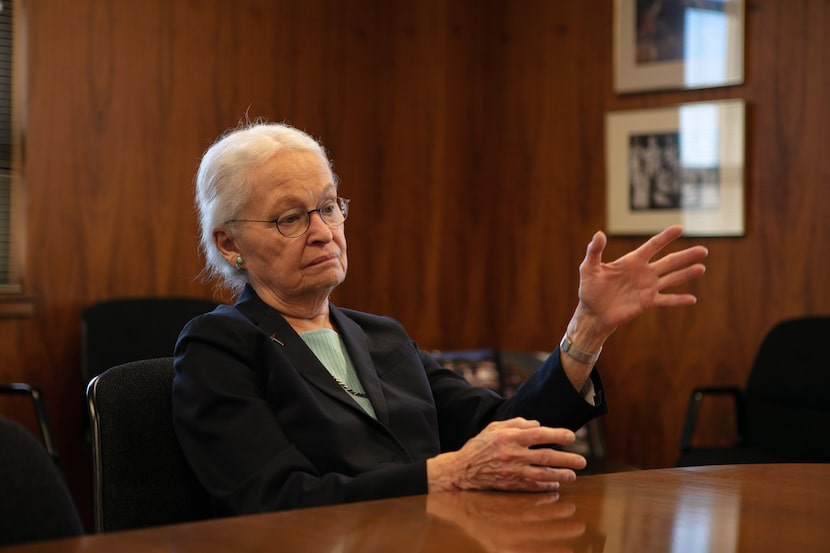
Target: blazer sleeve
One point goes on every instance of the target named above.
(237, 448)
(547, 396)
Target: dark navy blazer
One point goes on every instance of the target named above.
(265, 426)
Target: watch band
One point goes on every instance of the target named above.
(573, 351)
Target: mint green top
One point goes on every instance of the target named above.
(331, 351)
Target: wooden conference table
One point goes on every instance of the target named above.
(721, 509)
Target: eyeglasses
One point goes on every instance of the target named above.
(295, 222)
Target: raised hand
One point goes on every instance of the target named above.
(616, 292)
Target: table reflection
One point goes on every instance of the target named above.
(693, 519)
(506, 522)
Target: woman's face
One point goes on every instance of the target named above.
(288, 271)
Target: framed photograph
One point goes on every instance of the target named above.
(676, 165)
(678, 44)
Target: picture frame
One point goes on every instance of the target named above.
(682, 164)
(677, 44)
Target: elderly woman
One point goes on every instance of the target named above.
(285, 400)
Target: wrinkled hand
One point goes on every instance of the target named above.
(616, 292)
(503, 457)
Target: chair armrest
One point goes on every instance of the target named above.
(40, 412)
(693, 410)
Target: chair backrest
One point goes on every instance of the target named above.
(34, 501)
(140, 476)
(788, 389)
(122, 330)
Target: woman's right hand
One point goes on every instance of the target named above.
(505, 456)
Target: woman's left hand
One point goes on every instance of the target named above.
(616, 292)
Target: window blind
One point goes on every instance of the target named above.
(8, 274)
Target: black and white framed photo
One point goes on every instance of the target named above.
(676, 165)
(677, 44)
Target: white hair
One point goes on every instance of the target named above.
(223, 184)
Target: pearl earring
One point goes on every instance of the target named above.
(240, 263)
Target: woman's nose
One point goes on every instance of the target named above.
(317, 228)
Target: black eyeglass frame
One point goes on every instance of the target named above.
(342, 203)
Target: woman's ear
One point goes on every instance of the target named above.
(226, 244)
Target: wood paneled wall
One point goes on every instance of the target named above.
(469, 136)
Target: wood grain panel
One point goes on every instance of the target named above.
(469, 136)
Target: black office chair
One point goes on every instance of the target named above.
(140, 476)
(121, 330)
(118, 331)
(783, 412)
(35, 504)
(34, 393)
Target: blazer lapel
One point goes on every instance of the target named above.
(289, 344)
(358, 349)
